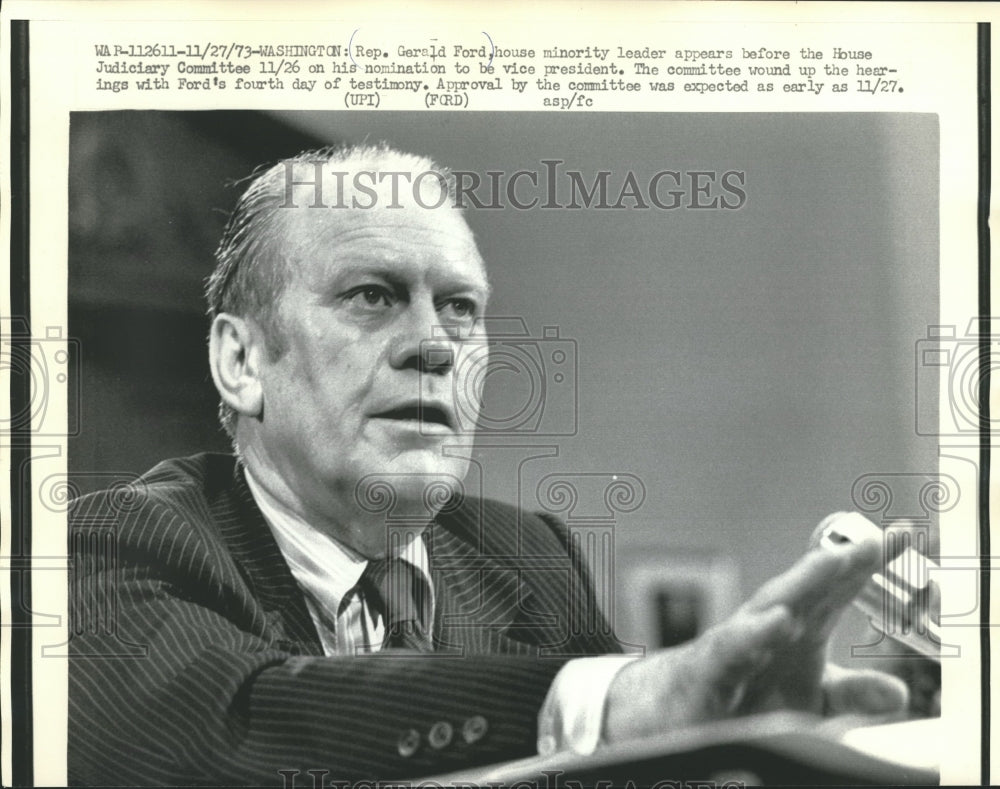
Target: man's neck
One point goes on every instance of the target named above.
(357, 531)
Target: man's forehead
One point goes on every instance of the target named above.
(407, 240)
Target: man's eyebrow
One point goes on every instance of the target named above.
(480, 287)
(396, 274)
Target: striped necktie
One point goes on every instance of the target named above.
(395, 590)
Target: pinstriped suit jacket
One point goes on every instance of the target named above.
(194, 659)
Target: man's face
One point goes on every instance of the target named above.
(345, 399)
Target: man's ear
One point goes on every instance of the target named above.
(235, 351)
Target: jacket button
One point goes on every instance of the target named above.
(440, 735)
(474, 729)
(409, 743)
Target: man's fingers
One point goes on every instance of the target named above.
(702, 680)
(817, 587)
(818, 573)
(864, 692)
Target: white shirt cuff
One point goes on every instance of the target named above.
(572, 716)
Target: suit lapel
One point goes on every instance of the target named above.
(483, 604)
(262, 565)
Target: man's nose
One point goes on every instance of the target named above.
(423, 343)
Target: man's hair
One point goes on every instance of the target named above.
(252, 270)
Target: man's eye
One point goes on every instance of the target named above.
(369, 297)
(460, 308)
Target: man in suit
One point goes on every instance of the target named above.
(328, 598)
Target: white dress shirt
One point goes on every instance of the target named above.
(327, 572)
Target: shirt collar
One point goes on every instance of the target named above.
(325, 569)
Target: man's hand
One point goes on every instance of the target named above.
(771, 654)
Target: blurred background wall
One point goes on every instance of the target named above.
(746, 366)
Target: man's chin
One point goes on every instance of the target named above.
(414, 482)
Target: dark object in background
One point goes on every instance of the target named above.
(140, 247)
(923, 677)
(679, 614)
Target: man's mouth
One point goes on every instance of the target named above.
(424, 413)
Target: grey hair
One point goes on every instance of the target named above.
(252, 270)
